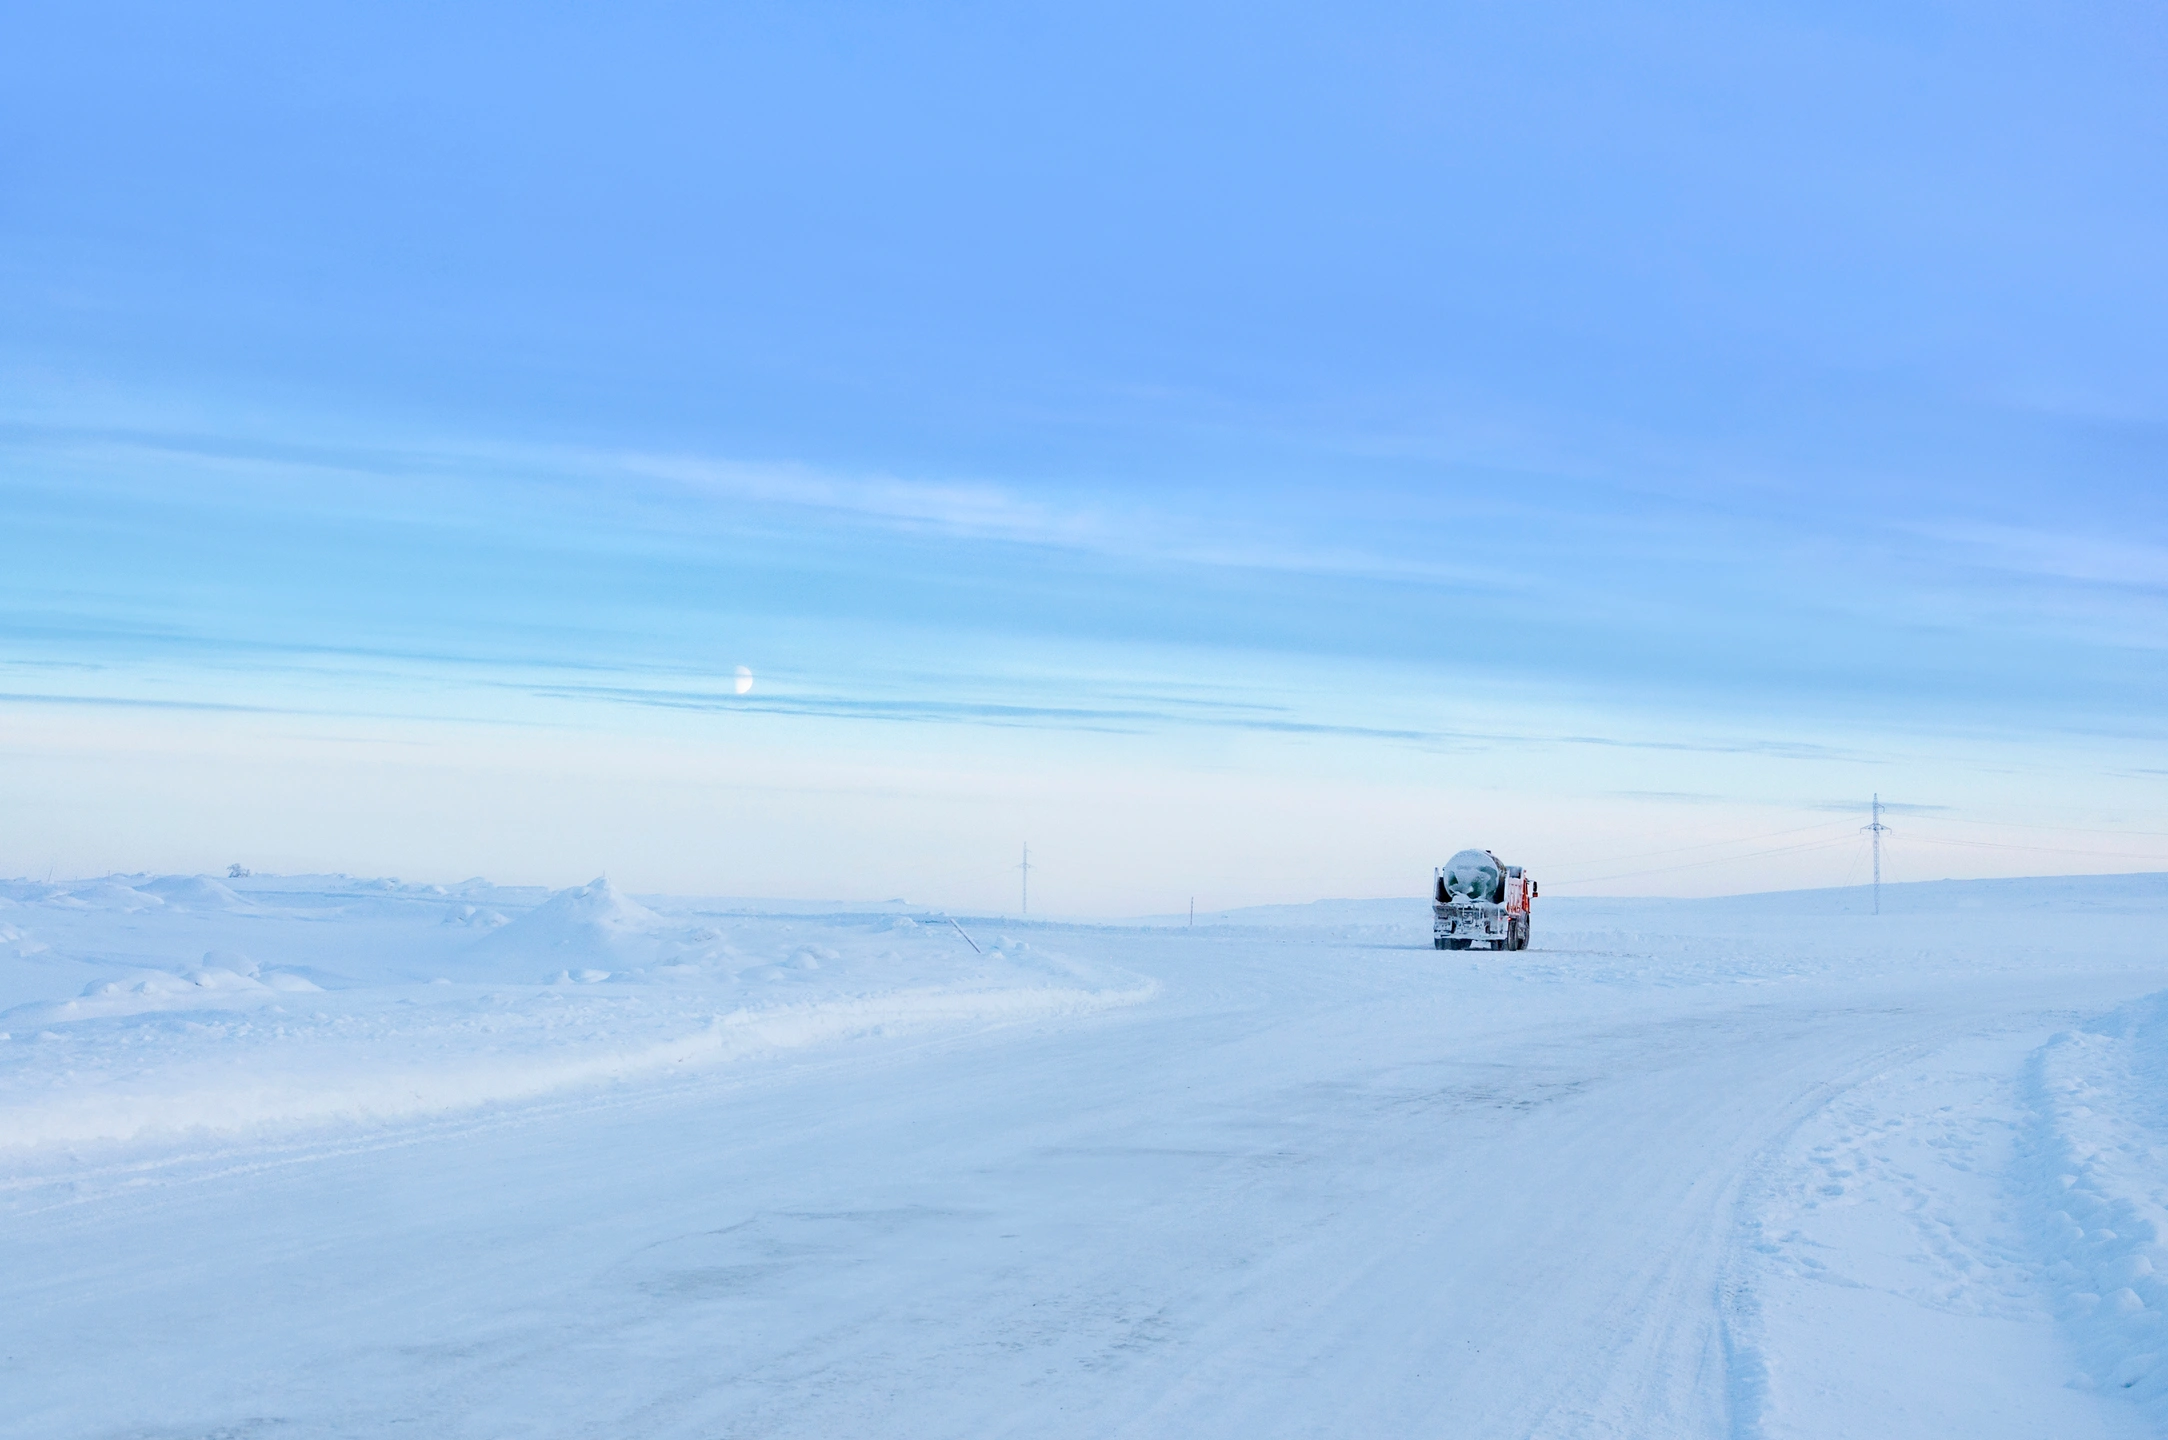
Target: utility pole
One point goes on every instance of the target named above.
(1192, 912)
(1877, 830)
(1026, 869)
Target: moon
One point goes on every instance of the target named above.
(744, 681)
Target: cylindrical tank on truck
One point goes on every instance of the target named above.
(1477, 899)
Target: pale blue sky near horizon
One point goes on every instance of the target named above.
(1241, 450)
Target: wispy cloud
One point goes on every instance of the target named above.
(141, 702)
(1104, 719)
(1779, 749)
(1889, 807)
(1110, 523)
(1163, 713)
(465, 478)
(2059, 554)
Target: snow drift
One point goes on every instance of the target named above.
(592, 925)
(344, 1001)
(2099, 1201)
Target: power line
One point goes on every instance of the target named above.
(1712, 860)
(2032, 825)
(1687, 849)
(1851, 871)
(2156, 857)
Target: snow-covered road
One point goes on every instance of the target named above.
(1697, 1170)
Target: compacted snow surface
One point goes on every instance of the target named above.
(320, 1156)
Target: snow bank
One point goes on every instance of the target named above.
(593, 923)
(238, 1086)
(195, 891)
(29, 891)
(177, 1005)
(2099, 1204)
(105, 895)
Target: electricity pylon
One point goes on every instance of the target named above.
(1877, 830)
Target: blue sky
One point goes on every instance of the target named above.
(1245, 451)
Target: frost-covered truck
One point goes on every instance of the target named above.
(1478, 898)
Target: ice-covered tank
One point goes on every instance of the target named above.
(1472, 875)
(1478, 898)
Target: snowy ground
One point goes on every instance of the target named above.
(315, 1156)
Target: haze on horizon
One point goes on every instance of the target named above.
(1246, 452)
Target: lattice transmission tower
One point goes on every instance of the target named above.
(1877, 830)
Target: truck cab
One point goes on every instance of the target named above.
(1478, 899)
